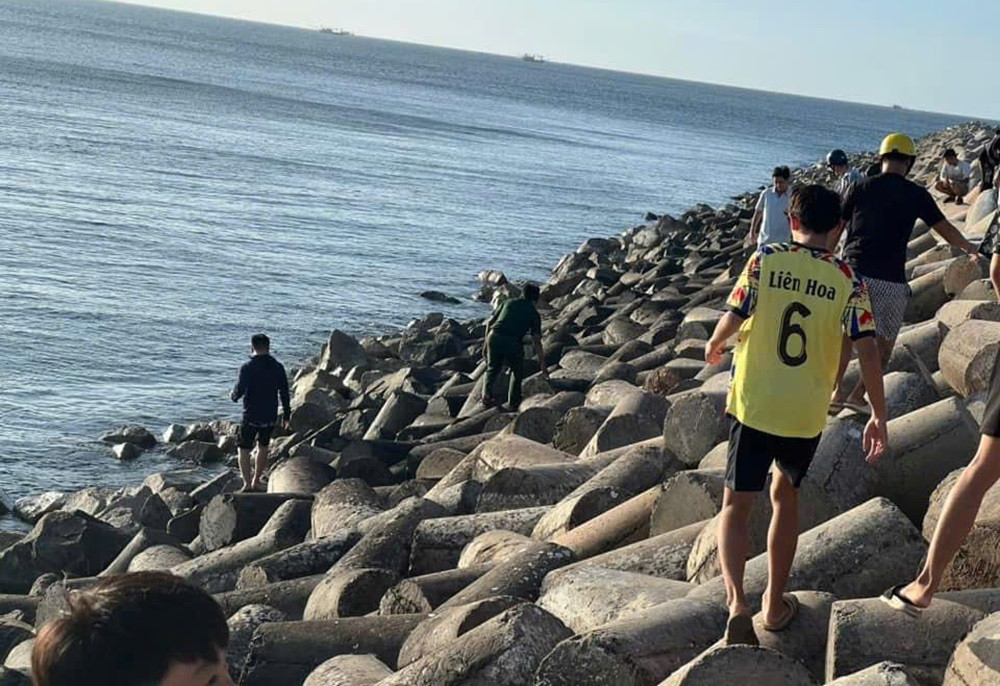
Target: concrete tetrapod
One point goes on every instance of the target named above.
(663, 556)
(349, 593)
(636, 417)
(513, 488)
(158, 558)
(640, 650)
(233, 517)
(437, 543)
(695, 422)
(143, 539)
(520, 576)
(304, 559)
(924, 446)
(688, 497)
(300, 475)
(977, 658)
(623, 524)
(441, 628)
(283, 653)
(640, 468)
(855, 555)
(882, 674)
(587, 597)
(493, 547)
(290, 597)
(741, 664)
(977, 562)
(503, 651)
(349, 670)
(388, 546)
(425, 593)
(968, 354)
(865, 631)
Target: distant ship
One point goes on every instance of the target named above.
(336, 32)
(532, 58)
(897, 107)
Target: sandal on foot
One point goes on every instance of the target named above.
(893, 599)
(791, 604)
(860, 408)
(739, 631)
(835, 408)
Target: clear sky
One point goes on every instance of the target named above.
(922, 54)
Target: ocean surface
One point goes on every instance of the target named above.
(171, 184)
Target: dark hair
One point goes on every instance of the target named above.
(127, 631)
(817, 207)
(260, 342)
(950, 153)
(531, 292)
(782, 173)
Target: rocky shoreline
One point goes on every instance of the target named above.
(411, 536)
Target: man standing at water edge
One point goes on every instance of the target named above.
(790, 307)
(505, 332)
(261, 381)
(770, 222)
(880, 213)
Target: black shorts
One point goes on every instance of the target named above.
(751, 453)
(251, 433)
(991, 415)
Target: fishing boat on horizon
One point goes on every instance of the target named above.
(335, 32)
(527, 57)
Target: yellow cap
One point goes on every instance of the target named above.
(898, 143)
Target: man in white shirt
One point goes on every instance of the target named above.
(847, 176)
(770, 220)
(954, 178)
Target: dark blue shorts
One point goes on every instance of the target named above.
(751, 453)
(255, 433)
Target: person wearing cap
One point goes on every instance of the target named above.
(770, 218)
(879, 214)
(847, 176)
(954, 178)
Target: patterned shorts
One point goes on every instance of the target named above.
(889, 301)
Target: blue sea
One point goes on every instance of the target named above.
(172, 183)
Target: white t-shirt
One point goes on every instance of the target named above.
(774, 228)
(959, 172)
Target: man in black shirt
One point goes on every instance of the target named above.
(989, 160)
(261, 381)
(505, 333)
(880, 213)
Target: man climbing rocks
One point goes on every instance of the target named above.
(505, 333)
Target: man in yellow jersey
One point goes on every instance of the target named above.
(790, 307)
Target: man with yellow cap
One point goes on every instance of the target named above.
(879, 215)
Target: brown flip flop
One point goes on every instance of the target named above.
(791, 604)
(739, 631)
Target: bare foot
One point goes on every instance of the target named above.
(916, 594)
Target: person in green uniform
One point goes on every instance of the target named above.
(505, 332)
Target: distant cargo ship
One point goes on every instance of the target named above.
(336, 32)
(532, 58)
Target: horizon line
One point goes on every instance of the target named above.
(300, 27)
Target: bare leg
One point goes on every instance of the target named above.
(885, 347)
(782, 540)
(734, 546)
(244, 458)
(957, 518)
(846, 349)
(260, 464)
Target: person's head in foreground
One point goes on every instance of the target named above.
(260, 344)
(531, 292)
(951, 157)
(142, 629)
(781, 177)
(813, 211)
(837, 161)
(897, 154)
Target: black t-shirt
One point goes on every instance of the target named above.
(880, 213)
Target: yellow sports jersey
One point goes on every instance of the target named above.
(795, 301)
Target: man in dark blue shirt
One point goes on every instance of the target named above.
(261, 381)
